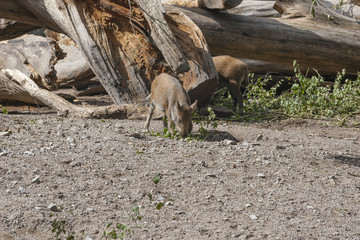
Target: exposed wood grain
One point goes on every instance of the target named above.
(314, 43)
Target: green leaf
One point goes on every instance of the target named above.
(157, 178)
(150, 196)
(159, 206)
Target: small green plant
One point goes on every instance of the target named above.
(33, 121)
(3, 109)
(157, 178)
(59, 228)
(119, 232)
(204, 124)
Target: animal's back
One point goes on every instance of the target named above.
(230, 68)
(167, 90)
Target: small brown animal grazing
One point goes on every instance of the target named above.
(234, 74)
(169, 96)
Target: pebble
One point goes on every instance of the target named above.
(161, 199)
(261, 175)
(229, 142)
(259, 138)
(211, 175)
(36, 179)
(37, 208)
(29, 153)
(22, 190)
(5, 134)
(248, 205)
(253, 217)
(3, 152)
(53, 207)
(179, 212)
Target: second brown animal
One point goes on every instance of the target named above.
(234, 74)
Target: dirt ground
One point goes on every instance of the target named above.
(293, 179)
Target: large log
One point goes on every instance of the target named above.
(207, 4)
(328, 46)
(127, 43)
(65, 108)
(12, 29)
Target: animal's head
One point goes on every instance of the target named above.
(183, 122)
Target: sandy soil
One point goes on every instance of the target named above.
(293, 179)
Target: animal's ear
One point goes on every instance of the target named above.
(194, 105)
(180, 108)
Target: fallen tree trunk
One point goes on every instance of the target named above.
(126, 43)
(12, 29)
(65, 108)
(328, 46)
(207, 4)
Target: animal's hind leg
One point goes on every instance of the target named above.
(236, 95)
(149, 116)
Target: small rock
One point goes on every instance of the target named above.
(259, 138)
(161, 199)
(280, 147)
(137, 135)
(3, 152)
(179, 212)
(202, 164)
(22, 190)
(89, 210)
(53, 207)
(211, 175)
(88, 238)
(29, 153)
(36, 179)
(37, 208)
(5, 134)
(253, 217)
(261, 175)
(229, 142)
(248, 205)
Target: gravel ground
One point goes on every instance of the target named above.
(293, 179)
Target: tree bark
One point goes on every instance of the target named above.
(65, 108)
(12, 29)
(328, 46)
(206, 4)
(127, 43)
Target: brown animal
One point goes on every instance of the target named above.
(169, 96)
(234, 74)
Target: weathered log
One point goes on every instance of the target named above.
(219, 4)
(328, 46)
(65, 108)
(207, 4)
(33, 55)
(124, 42)
(258, 8)
(12, 29)
(202, 80)
(10, 91)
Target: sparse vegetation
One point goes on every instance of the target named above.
(3, 109)
(309, 97)
(59, 228)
